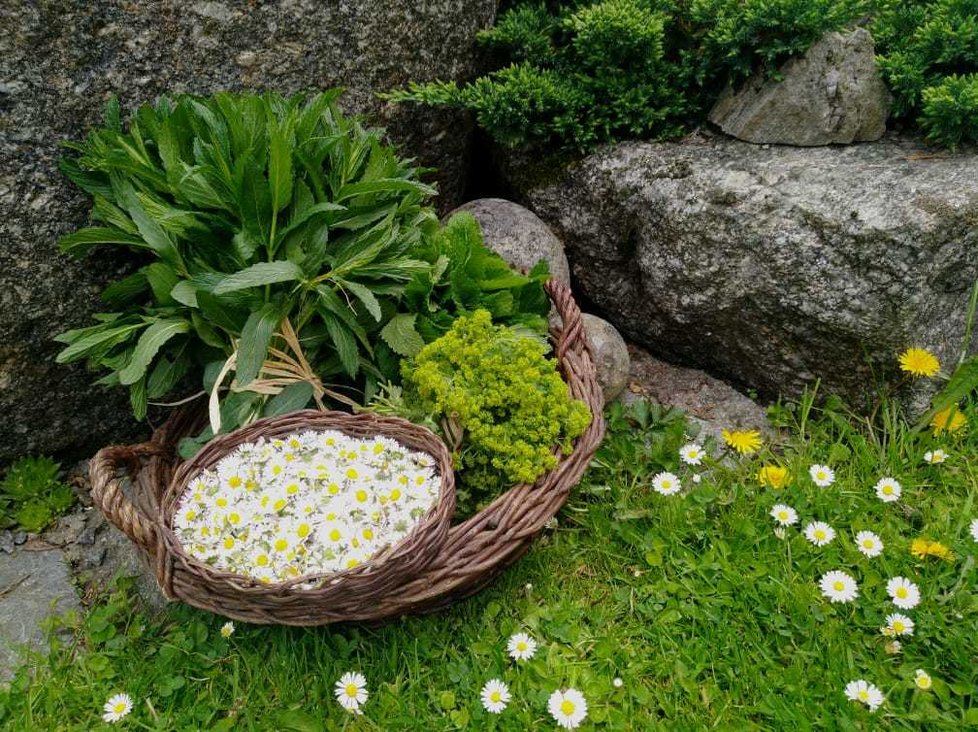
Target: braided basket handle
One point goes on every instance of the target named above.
(108, 496)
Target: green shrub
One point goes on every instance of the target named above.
(32, 494)
(278, 240)
(950, 110)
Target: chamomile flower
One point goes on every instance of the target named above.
(666, 483)
(838, 586)
(935, 457)
(922, 679)
(227, 629)
(691, 454)
(868, 694)
(784, 515)
(521, 647)
(495, 696)
(819, 533)
(897, 624)
(568, 708)
(117, 707)
(822, 475)
(888, 490)
(869, 544)
(903, 593)
(974, 529)
(351, 692)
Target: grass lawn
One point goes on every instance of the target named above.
(710, 619)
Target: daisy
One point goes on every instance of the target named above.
(819, 533)
(227, 629)
(117, 707)
(666, 483)
(784, 515)
(495, 696)
(935, 457)
(568, 708)
(822, 475)
(521, 647)
(974, 529)
(919, 362)
(773, 476)
(691, 454)
(904, 593)
(869, 544)
(743, 441)
(897, 624)
(888, 490)
(839, 586)
(866, 693)
(922, 679)
(351, 692)
(948, 420)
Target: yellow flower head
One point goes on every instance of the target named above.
(923, 548)
(919, 362)
(948, 420)
(773, 476)
(743, 441)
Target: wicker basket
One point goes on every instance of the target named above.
(473, 552)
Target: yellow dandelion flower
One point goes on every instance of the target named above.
(919, 362)
(743, 441)
(948, 420)
(773, 476)
(923, 548)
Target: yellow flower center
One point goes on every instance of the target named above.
(281, 545)
(119, 707)
(368, 534)
(303, 531)
(333, 489)
(262, 560)
(868, 543)
(888, 490)
(495, 696)
(234, 481)
(864, 695)
(351, 690)
(229, 543)
(567, 707)
(902, 593)
(898, 626)
(292, 489)
(280, 504)
(820, 475)
(839, 586)
(819, 534)
(666, 485)
(352, 474)
(361, 496)
(335, 535)
(395, 494)
(221, 502)
(783, 515)
(234, 518)
(521, 646)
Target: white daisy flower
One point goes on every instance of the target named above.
(869, 544)
(922, 679)
(495, 696)
(666, 483)
(784, 515)
(568, 708)
(691, 454)
(904, 593)
(897, 624)
(839, 586)
(227, 629)
(888, 490)
(868, 694)
(935, 457)
(351, 692)
(819, 533)
(117, 707)
(521, 647)
(822, 475)
(974, 529)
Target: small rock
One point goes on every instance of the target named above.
(7, 542)
(67, 530)
(518, 235)
(20, 537)
(833, 94)
(610, 355)
(87, 537)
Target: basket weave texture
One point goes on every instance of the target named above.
(448, 567)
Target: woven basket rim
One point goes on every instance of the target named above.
(267, 427)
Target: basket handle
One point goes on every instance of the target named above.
(108, 496)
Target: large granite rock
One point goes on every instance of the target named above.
(772, 267)
(610, 355)
(833, 94)
(60, 61)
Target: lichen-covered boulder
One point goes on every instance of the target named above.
(610, 355)
(60, 61)
(773, 267)
(833, 94)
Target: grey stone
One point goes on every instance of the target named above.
(773, 268)
(833, 94)
(708, 402)
(33, 586)
(7, 542)
(67, 58)
(518, 235)
(610, 355)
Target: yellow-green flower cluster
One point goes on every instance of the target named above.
(311, 503)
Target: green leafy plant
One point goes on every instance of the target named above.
(496, 398)
(32, 494)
